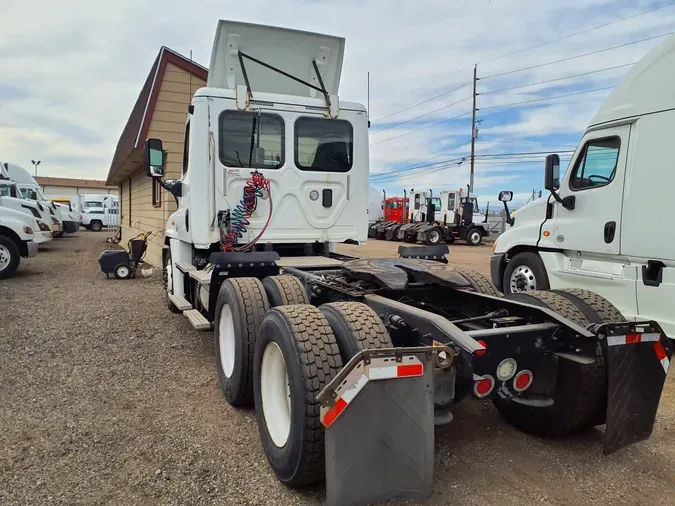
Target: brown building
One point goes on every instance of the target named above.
(160, 112)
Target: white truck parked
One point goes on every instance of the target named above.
(17, 234)
(99, 211)
(604, 226)
(29, 188)
(350, 363)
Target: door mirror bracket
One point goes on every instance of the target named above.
(552, 182)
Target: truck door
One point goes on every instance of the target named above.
(595, 180)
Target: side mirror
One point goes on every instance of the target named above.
(552, 172)
(505, 196)
(154, 158)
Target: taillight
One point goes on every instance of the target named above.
(523, 380)
(483, 386)
(480, 353)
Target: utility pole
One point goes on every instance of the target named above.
(473, 131)
(35, 164)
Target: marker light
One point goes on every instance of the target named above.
(523, 380)
(506, 369)
(480, 353)
(483, 386)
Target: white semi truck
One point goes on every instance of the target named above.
(17, 234)
(350, 363)
(30, 189)
(99, 211)
(604, 226)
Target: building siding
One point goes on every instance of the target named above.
(168, 124)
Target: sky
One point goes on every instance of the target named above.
(70, 74)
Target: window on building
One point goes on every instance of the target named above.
(597, 164)
(156, 193)
(251, 140)
(322, 144)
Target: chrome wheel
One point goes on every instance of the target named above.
(522, 279)
(5, 257)
(434, 237)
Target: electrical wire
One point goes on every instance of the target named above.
(557, 79)
(587, 30)
(425, 101)
(422, 115)
(422, 128)
(573, 57)
(545, 99)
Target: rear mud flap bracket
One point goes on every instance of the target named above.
(380, 430)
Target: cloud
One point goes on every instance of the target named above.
(71, 73)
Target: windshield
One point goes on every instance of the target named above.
(6, 191)
(476, 209)
(29, 193)
(394, 205)
(436, 201)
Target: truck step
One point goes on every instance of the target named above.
(202, 277)
(197, 319)
(184, 266)
(180, 302)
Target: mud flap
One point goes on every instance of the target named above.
(379, 427)
(637, 361)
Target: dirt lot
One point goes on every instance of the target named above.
(107, 398)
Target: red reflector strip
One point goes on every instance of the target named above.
(662, 356)
(334, 412)
(632, 339)
(406, 371)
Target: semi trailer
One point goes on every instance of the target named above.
(595, 229)
(351, 363)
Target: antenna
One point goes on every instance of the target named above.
(368, 106)
(190, 79)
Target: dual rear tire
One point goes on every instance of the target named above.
(276, 350)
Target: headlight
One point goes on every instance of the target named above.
(44, 227)
(28, 230)
(55, 221)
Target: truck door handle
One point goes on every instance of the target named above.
(610, 230)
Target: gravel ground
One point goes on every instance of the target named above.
(108, 398)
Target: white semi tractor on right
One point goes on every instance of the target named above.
(605, 226)
(350, 363)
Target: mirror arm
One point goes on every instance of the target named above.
(507, 214)
(568, 202)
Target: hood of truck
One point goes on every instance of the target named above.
(532, 211)
(291, 51)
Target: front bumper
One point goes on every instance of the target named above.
(32, 248)
(497, 266)
(70, 227)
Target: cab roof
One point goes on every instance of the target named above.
(647, 88)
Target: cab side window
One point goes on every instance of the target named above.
(186, 148)
(417, 201)
(597, 164)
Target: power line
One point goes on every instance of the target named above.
(422, 128)
(455, 72)
(545, 99)
(557, 79)
(424, 101)
(574, 57)
(579, 33)
(415, 167)
(421, 115)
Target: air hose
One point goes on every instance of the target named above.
(255, 188)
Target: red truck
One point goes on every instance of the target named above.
(395, 212)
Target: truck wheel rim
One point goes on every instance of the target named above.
(226, 340)
(123, 272)
(434, 236)
(523, 279)
(276, 394)
(475, 237)
(4, 257)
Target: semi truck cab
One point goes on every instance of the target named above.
(597, 228)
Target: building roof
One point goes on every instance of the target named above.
(136, 130)
(73, 183)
